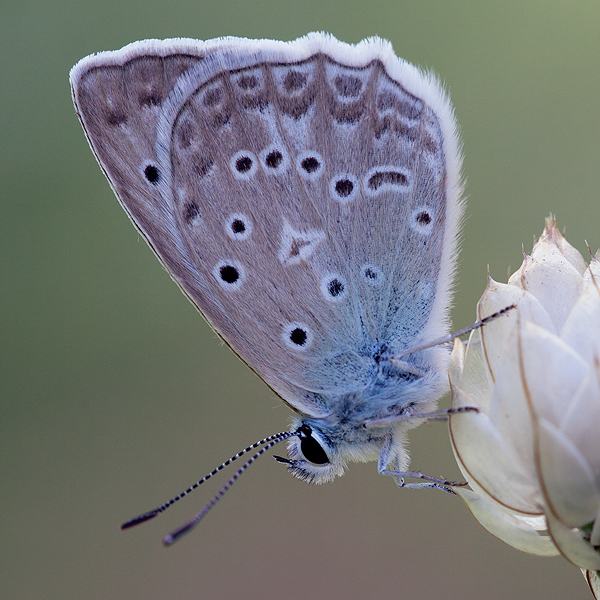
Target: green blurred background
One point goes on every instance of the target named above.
(115, 393)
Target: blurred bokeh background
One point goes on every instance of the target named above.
(115, 395)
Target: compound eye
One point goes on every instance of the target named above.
(313, 451)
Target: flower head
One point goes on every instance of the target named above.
(531, 453)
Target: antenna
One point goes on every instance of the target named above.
(170, 539)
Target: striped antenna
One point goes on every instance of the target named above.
(270, 441)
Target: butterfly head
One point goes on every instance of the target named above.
(318, 453)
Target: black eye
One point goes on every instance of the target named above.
(312, 450)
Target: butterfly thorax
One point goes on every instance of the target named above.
(395, 389)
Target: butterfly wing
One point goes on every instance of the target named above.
(304, 195)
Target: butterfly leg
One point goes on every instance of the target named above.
(399, 475)
(435, 415)
(432, 482)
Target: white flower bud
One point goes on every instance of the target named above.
(531, 454)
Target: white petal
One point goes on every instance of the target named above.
(553, 371)
(457, 363)
(593, 581)
(592, 275)
(488, 462)
(478, 489)
(582, 327)
(568, 481)
(581, 423)
(475, 382)
(552, 235)
(494, 334)
(555, 282)
(572, 545)
(507, 527)
(510, 410)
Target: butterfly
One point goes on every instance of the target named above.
(306, 197)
